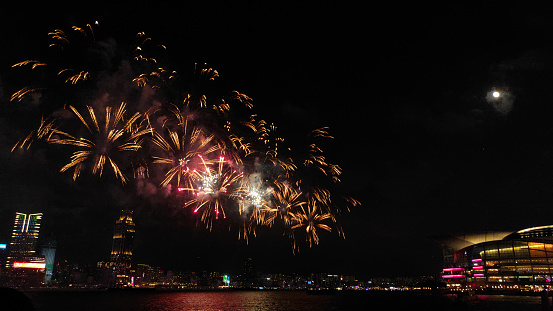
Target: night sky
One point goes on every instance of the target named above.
(404, 90)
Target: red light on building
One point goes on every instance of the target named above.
(453, 276)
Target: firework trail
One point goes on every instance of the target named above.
(70, 62)
(45, 130)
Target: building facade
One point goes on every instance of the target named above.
(517, 260)
(24, 240)
(24, 265)
(121, 250)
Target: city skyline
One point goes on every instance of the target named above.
(23, 268)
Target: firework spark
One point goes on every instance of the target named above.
(183, 146)
(254, 205)
(68, 43)
(214, 185)
(44, 131)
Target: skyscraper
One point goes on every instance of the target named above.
(23, 244)
(121, 250)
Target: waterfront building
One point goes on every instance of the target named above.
(500, 260)
(24, 265)
(121, 250)
(23, 244)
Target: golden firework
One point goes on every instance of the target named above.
(311, 219)
(111, 134)
(45, 130)
(212, 187)
(182, 147)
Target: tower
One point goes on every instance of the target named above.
(24, 239)
(121, 250)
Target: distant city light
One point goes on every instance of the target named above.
(29, 265)
(453, 269)
(453, 276)
(2, 246)
(496, 94)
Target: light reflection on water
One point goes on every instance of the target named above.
(236, 301)
(272, 301)
(176, 301)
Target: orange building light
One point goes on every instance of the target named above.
(29, 265)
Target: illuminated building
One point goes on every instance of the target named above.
(24, 266)
(500, 260)
(49, 253)
(24, 239)
(226, 280)
(121, 250)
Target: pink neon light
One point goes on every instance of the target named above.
(453, 276)
(477, 260)
(479, 274)
(477, 267)
(132, 280)
(454, 269)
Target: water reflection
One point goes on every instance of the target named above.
(272, 301)
(174, 301)
(235, 301)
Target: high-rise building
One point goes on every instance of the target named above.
(121, 250)
(23, 244)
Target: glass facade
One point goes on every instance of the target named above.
(522, 259)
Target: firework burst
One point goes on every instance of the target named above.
(183, 146)
(311, 219)
(213, 188)
(109, 135)
(254, 205)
